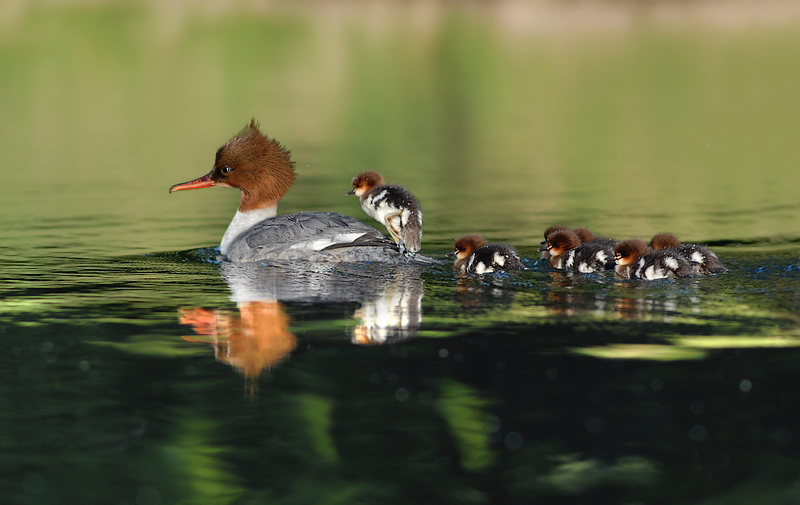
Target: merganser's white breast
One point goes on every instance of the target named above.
(243, 221)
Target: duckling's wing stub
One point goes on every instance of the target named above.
(592, 257)
(705, 259)
(663, 264)
(494, 257)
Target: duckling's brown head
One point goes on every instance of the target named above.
(466, 245)
(664, 241)
(628, 251)
(365, 181)
(561, 241)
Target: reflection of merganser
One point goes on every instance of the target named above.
(633, 261)
(474, 255)
(568, 253)
(263, 170)
(391, 205)
(252, 340)
(702, 259)
(390, 296)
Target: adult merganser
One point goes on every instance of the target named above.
(391, 205)
(568, 253)
(633, 261)
(474, 255)
(263, 170)
(701, 258)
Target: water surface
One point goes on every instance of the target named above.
(141, 370)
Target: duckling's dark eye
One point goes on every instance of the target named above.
(226, 169)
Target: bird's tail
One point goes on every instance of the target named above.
(412, 233)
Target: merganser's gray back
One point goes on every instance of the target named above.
(316, 236)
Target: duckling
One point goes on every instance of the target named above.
(474, 255)
(393, 206)
(545, 252)
(701, 258)
(568, 253)
(586, 236)
(633, 261)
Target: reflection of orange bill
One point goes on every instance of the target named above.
(362, 335)
(250, 340)
(202, 321)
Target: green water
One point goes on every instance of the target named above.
(136, 372)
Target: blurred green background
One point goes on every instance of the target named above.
(630, 118)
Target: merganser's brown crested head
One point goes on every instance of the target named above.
(585, 234)
(628, 251)
(365, 181)
(561, 241)
(466, 245)
(252, 162)
(664, 241)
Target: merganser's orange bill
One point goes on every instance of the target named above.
(203, 182)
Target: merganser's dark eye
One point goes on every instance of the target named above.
(226, 170)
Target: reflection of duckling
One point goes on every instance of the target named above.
(391, 205)
(568, 253)
(250, 341)
(701, 258)
(633, 261)
(393, 314)
(474, 255)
